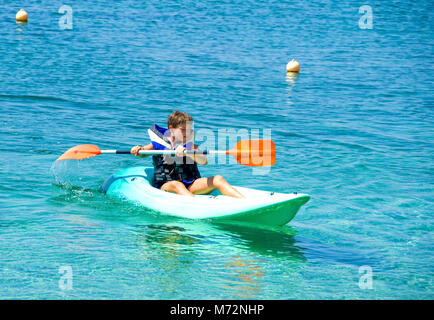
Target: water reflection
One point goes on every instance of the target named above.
(233, 256)
(20, 30)
(278, 242)
(168, 237)
(291, 77)
(171, 251)
(244, 276)
(199, 235)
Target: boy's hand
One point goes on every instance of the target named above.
(135, 150)
(180, 151)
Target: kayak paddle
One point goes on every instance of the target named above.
(254, 153)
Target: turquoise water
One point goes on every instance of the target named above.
(354, 129)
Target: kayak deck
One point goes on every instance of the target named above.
(259, 207)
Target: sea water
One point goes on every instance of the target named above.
(354, 130)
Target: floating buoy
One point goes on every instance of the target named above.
(21, 16)
(293, 66)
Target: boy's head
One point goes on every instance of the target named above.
(180, 125)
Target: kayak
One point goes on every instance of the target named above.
(259, 207)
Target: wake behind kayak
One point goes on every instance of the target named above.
(259, 207)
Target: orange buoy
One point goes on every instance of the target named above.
(293, 66)
(21, 16)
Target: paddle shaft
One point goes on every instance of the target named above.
(246, 152)
(173, 152)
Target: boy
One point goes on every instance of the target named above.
(181, 175)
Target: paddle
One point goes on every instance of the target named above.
(254, 153)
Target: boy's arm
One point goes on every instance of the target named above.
(199, 158)
(135, 150)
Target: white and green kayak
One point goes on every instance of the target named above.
(259, 207)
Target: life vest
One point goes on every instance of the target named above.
(169, 167)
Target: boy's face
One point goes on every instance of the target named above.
(182, 133)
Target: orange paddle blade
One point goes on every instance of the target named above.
(254, 153)
(82, 151)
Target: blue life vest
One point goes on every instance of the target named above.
(169, 167)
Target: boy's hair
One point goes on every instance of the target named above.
(177, 118)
